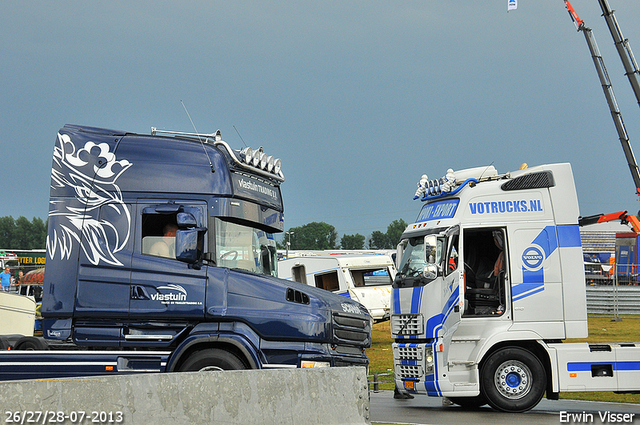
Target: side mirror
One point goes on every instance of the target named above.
(430, 271)
(186, 220)
(433, 246)
(189, 245)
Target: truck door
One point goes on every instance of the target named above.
(452, 289)
(104, 263)
(161, 286)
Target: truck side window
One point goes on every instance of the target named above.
(328, 281)
(452, 255)
(484, 265)
(299, 274)
(159, 235)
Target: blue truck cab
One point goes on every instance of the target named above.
(161, 257)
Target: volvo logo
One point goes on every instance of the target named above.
(532, 258)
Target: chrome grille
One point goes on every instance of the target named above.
(407, 324)
(349, 330)
(409, 371)
(409, 353)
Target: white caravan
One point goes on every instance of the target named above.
(364, 278)
(17, 314)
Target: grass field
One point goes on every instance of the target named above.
(601, 329)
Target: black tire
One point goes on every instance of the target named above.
(212, 359)
(31, 343)
(513, 380)
(4, 343)
(469, 403)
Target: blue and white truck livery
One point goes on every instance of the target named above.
(490, 282)
(161, 257)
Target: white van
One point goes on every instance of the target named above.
(364, 278)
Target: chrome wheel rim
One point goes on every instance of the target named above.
(513, 379)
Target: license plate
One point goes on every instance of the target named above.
(409, 385)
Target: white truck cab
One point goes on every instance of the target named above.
(490, 282)
(365, 278)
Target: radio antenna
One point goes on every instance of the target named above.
(199, 138)
(234, 127)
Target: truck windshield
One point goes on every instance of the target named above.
(371, 277)
(246, 248)
(413, 257)
(414, 260)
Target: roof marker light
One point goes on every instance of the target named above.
(248, 155)
(277, 166)
(256, 157)
(263, 160)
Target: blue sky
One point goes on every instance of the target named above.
(357, 98)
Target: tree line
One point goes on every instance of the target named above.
(321, 236)
(21, 233)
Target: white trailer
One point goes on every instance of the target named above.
(364, 278)
(9, 259)
(17, 314)
(490, 283)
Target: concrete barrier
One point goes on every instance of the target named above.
(290, 396)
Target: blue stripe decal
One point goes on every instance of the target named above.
(532, 277)
(618, 366)
(451, 302)
(523, 288)
(434, 323)
(531, 291)
(547, 240)
(430, 382)
(431, 386)
(416, 298)
(569, 236)
(407, 344)
(627, 366)
(395, 295)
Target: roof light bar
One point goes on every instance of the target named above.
(446, 184)
(255, 160)
(260, 160)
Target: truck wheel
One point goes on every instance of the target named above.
(212, 359)
(469, 403)
(513, 380)
(31, 343)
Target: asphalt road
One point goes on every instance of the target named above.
(426, 410)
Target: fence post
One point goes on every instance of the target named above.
(616, 305)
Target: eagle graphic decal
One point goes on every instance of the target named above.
(92, 172)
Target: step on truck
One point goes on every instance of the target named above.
(161, 257)
(490, 283)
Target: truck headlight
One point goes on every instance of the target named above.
(308, 364)
(428, 360)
